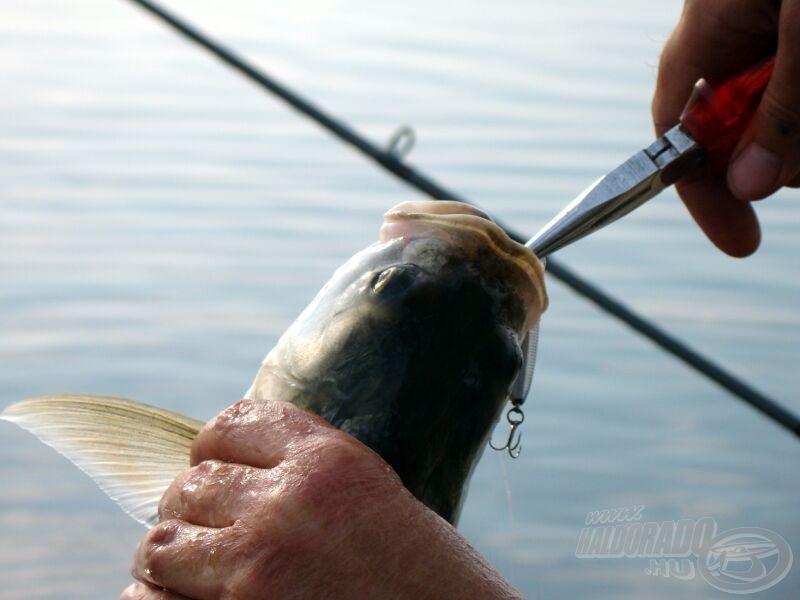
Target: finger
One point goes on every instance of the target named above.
(768, 155)
(185, 559)
(712, 40)
(211, 494)
(144, 591)
(257, 433)
(729, 223)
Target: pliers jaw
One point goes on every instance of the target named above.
(625, 188)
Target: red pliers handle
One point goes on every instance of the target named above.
(717, 115)
(710, 127)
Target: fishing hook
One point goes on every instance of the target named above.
(513, 444)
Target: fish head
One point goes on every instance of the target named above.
(414, 342)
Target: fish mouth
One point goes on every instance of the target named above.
(470, 234)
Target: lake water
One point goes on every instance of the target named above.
(162, 222)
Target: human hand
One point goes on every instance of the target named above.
(715, 39)
(279, 504)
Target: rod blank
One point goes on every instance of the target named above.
(414, 177)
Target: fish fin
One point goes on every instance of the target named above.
(133, 451)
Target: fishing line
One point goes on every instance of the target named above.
(506, 486)
(391, 160)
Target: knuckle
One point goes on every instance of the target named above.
(167, 508)
(287, 416)
(186, 488)
(152, 561)
(201, 473)
(198, 480)
(231, 418)
(220, 431)
(186, 496)
(151, 557)
(343, 449)
(337, 454)
(339, 465)
(347, 454)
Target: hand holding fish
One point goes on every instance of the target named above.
(714, 39)
(279, 504)
(407, 355)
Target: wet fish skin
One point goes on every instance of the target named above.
(411, 347)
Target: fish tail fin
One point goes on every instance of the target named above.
(133, 451)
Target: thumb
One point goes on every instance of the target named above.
(768, 155)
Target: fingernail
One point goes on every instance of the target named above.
(754, 173)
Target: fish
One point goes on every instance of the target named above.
(412, 347)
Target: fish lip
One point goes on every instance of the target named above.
(471, 233)
(439, 207)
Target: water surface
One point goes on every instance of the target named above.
(162, 222)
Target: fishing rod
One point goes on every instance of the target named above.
(391, 160)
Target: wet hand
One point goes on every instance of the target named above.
(715, 39)
(279, 504)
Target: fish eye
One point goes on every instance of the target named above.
(394, 279)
